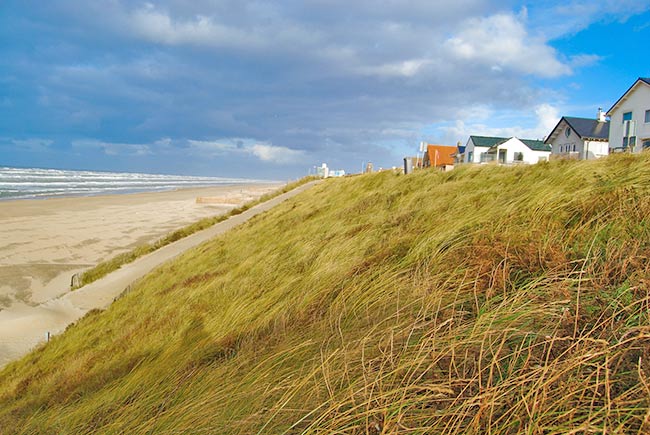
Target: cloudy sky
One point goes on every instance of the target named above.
(269, 89)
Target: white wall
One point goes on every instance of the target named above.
(596, 149)
(563, 144)
(475, 152)
(514, 145)
(637, 102)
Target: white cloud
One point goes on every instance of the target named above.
(263, 151)
(160, 27)
(276, 154)
(211, 148)
(536, 126)
(114, 149)
(583, 60)
(501, 42)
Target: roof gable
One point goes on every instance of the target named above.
(589, 128)
(644, 80)
(487, 141)
(585, 128)
(536, 145)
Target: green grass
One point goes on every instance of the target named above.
(106, 267)
(487, 300)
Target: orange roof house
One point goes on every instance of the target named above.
(438, 156)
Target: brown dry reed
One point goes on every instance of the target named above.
(486, 300)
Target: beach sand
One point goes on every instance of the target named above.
(44, 242)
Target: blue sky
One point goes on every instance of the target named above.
(270, 89)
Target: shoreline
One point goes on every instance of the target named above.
(46, 241)
(24, 328)
(134, 191)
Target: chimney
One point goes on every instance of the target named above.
(602, 116)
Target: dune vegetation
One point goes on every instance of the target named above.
(486, 300)
(108, 266)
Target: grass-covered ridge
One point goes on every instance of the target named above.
(491, 300)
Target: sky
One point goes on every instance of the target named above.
(271, 89)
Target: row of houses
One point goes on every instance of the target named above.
(623, 128)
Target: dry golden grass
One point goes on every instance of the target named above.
(486, 300)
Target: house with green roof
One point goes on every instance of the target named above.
(506, 151)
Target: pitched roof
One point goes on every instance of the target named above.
(585, 128)
(645, 80)
(487, 141)
(589, 128)
(440, 155)
(536, 145)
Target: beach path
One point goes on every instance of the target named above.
(21, 330)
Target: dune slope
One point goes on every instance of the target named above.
(494, 300)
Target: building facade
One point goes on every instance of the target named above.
(580, 138)
(629, 128)
(486, 149)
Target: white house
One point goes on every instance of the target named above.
(483, 149)
(580, 138)
(629, 128)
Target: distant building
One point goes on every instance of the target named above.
(439, 156)
(503, 150)
(460, 153)
(325, 172)
(580, 138)
(629, 128)
(369, 168)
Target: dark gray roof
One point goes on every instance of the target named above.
(646, 79)
(589, 128)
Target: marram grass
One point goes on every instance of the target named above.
(491, 300)
(108, 266)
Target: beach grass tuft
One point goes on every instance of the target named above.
(486, 300)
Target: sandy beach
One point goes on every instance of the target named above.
(56, 235)
(44, 242)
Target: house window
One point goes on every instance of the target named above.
(519, 157)
(470, 156)
(627, 116)
(646, 143)
(574, 148)
(632, 141)
(625, 142)
(647, 116)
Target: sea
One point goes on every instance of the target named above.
(36, 183)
